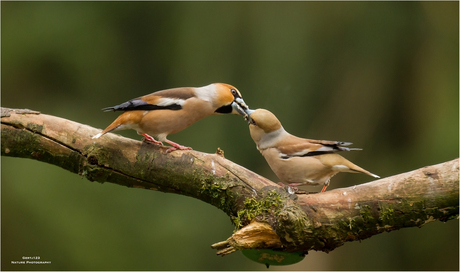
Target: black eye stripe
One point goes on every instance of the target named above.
(234, 92)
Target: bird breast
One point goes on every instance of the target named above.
(306, 170)
(165, 122)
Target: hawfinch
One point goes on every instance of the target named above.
(169, 111)
(297, 161)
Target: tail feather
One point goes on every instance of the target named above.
(97, 136)
(358, 169)
(115, 124)
(108, 129)
(373, 175)
(340, 164)
(126, 120)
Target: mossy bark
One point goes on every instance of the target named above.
(296, 222)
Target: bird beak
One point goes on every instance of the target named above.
(240, 106)
(247, 117)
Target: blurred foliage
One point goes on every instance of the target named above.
(384, 75)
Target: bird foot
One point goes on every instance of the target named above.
(290, 188)
(325, 186)
(150, 139)
(176, 146)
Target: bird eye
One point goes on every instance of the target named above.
(234, 92)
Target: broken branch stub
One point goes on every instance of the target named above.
(265, 215)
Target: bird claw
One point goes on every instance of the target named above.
(171, 149)
(176, 146)
(290, 188)
(150, 139)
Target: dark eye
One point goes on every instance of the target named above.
(234, 92)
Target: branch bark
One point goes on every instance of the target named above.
(265, 215)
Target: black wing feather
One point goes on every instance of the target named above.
(335, 147)
(138, 104)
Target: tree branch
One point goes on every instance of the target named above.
(264, 214)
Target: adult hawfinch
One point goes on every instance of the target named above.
(169, 111)
(297, 161)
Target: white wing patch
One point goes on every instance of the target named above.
(296, 154)
(325, 149)
(301, 153)
(165, 101)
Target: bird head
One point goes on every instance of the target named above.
(229, 100)
(262, 123)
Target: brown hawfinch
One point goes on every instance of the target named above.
(297, 161)
(169, 111)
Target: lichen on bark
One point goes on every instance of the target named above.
(264, 214)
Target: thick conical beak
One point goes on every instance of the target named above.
(248, 116)
(240, 106)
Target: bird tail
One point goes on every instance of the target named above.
(359, 169)
(124, 121)
(111, 127)
(353, 167)
(341, 164)
(356, 169)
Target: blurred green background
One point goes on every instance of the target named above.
(383, 75)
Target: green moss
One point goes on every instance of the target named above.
(387, 216)
(217, 190)
(450, 217)
(20, 143)
(300, 225)
(270, 203)
(211, 188)
(294, 227)
(351, 223)
(365, 213)
(348, 224)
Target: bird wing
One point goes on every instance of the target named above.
(171, 99)
(306, 147)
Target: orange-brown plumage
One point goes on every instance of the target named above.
(169, 111)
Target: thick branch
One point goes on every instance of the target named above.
(295, 222)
